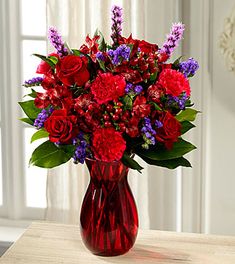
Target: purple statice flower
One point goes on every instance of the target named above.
(42, 117)
(177, 101)
(189, 67)
(80, 153)
(116, 23)
(33, 82)
(57, 42)
(100, 56)
(121, 53)
(138, 89)
(158, 124)
(133, 89)
(173, 39)
(148, 133)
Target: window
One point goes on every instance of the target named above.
(23, 31)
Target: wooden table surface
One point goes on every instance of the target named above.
(57, 244)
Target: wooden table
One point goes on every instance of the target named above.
(57, 244)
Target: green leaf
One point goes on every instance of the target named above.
(127, 100)
(27, 120)
(131, 163)
(50, 60)
(30, 109)
(153, 76)
(101, 40)
(33, 94)
(53, 59)
(38, 135)
(188, 114)
(158, 152)
(102, 65)
(156, 106)
(175, 64)
(186, 126)
(170, 164)
(48, 155)
(76, 52)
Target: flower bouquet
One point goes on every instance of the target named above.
(103, 103)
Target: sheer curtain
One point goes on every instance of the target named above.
(66, 184)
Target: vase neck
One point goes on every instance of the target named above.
(106, 171)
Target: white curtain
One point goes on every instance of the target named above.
(66, 184)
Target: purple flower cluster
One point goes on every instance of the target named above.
(33, 82)
(57, 42)
(148, 133)
(116, 23)
(80, 151)
(173, 38)
(189, 67)
(122, 53)
(131, 88)
(42, 117)
(175, 101)
(100, 56)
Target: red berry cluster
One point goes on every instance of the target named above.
(114, 115)
(145, 64)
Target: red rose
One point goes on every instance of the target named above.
(61, 127)
(73, 70)
(44, 67)
(140, 107)
(107, 87)
(147, 47)
(174, 82)
(108, 144)
(170, 131)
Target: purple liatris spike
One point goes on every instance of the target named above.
(116, 23)
(173, 39)
(33, 82)
(189, 67)
(57, 42)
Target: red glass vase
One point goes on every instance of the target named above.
(109, 218)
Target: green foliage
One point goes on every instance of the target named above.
(51, 60)
(38, 135)
(175, 64)
(131, 163)
(33, 94)
(48, 155)
(170, 164)
(27, 120)
(159, 152)
(128, 102)
(30, 109)
(102, 65)
(186, 126)
(188, 114)
(76, 52)
(156, 106)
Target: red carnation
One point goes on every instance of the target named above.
(108, 144)
(170, 131)
(174, 82)
(73, 70)
(108, 87)
(61, 127)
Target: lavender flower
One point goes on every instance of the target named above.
(33, 82)
(42, 117)
(81, 149)
(173, 39)
(100, 56)
(189, 67)
(116, 23)
(175, 101)
(148, 133)
(133, 89)
(158, 124)
(122, 53)
(57, 42)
